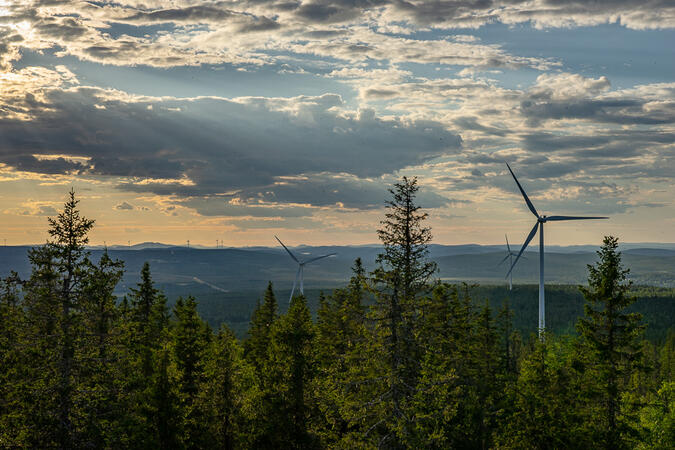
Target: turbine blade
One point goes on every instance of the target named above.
(319, 257)
(522, 191)
(554, 218)
(527, 241)
(297, 275)
(302, 279)
(508, 247)
(502, 261)
(289, 252)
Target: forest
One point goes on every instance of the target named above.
(393, 359)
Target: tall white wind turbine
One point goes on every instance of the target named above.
(301, 268)
(509, 255)
(541, 220)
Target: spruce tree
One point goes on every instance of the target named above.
(54, 311)
(148, 318)
(339, 334)
(399, 281)
(612, 338)
(220, 399)
(292, 369)
(166, 422)
(547, 405)
(144, 331)
(69, 232)
(12, 370)
(190, 339)
(102, 407)
(257, 356)
(257, 344)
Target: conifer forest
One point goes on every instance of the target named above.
(393, 359)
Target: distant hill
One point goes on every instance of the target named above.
(235, 269)
(227, 281)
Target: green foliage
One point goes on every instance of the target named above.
(611, 338)
(547, 411)
(190, 338)
(256, 347)
(392, 360)
(657, 419)
(398, 282)
(220, 399)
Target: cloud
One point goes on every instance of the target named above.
(32, 208)
(338, 190)
(244, 148)
(46, 210)
(651, 14)
(238, 32)
(571, 96)
(124, 206)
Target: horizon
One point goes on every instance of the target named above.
(240, 120)
(532, 247)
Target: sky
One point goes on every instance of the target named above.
(235, 120)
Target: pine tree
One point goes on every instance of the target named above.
(164, 401)
(102, 407)
(548, 408)
(292, 369)
(612, 339)
(12, 369)
(40, 351)
(339, 333)
(256, 345)
(509, 341)
(436, 403)
(144, 330)
(394, 359)
(148, 318)
(69, 233)
(257, 357)
(190, 339)
(220, 400)
(54, 312)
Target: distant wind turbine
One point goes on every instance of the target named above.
(509, 255)
(541, 220)
(301, 267)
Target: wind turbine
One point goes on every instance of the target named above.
(301, 268)
(541, 220)
(509, 255)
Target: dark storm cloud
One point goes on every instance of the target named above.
(214, 13)
(223, 146)
(616, 144)
(552, 13)
(334, 11)
(29, 163)
(616, 111)
(460, 12)
(195, 13)
(329, 190)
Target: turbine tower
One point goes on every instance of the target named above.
(541, 220)
(509, 255)
(301, 268)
